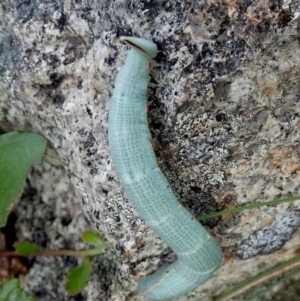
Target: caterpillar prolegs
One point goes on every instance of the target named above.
(135, 164)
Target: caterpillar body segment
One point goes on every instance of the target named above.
(147, 188)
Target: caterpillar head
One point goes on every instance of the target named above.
(146, 48)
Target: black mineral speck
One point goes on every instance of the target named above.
(220, 117)
(65, 221)
(62, 22)
(55, 80)
(59, 100)
(110, 61)
(40, 238)
(120, 249)
(88, 110)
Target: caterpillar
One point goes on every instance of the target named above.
(134, 161)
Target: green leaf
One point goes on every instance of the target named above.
(18, 151)
(10, 290)
(78, 277)
(25, 248)
(92, 238)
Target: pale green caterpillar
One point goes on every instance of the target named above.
(147, 188)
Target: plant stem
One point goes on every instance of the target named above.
(247, 207)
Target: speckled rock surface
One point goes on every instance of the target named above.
(225, 118)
